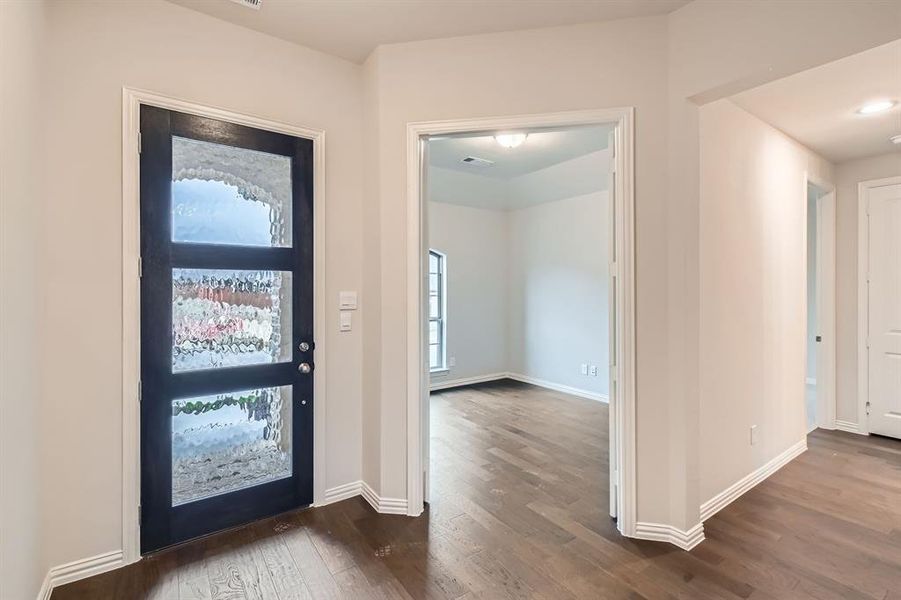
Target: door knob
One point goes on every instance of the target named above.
(305, 368)
(306, 346)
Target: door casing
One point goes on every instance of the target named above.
(132, 99)
(622, 400)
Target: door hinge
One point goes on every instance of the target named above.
(140, 515)
(140, 267)
(140, 391)
(868, 407)
(140, 142)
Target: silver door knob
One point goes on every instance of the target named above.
(304, 347)
(304, 368)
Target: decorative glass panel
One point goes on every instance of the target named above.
(227, 442)
(433, 332)
(227, 195)
(227, 318)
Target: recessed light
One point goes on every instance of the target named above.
(896, 139)
(876, 107)
(511, 140)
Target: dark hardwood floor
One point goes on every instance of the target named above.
(519, 494)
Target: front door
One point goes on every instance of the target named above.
(226, 325)
(885, 310)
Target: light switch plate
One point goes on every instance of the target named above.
(594, 370)
(345, 321)
(584, 368)
(347, 300)
(753, 435)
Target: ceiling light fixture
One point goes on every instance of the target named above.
(511, 140)
(876, 107)
(896, 139)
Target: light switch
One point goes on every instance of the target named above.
(594, 370)
(347, 300)
(345, 321)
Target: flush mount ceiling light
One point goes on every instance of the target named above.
(875, 107)
(511, 140)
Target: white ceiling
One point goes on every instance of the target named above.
(548, 166)
(541, 149)
(352, 29)
(818, 107)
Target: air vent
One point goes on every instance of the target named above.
(254, 4)
(477, 162)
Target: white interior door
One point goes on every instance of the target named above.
(885, 310)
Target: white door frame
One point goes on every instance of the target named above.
(863, 298)
(825, 299)
(132, 99)
(622, 397)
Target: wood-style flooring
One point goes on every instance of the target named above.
(519, 493)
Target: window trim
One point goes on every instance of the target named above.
(441, 367)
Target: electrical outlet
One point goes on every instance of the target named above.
(452, 361)
(584, 369)
(753, 435)
(594, 370)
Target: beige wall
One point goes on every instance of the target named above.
(536, 71)
(95, 48)
(702, 52)
(752, 292)
(22, 30)
(848, 175)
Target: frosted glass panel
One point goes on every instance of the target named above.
(227, 442)
(227, 195)
(227, 318)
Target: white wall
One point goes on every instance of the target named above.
(95, 48)
(526, 289)
(22, 171)
(558, 291)
(848, 175)
(476, 244)
(752, 292)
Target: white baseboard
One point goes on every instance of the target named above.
(342, 492)
(441, 384)
(387, 506)
(558, 387)
(849, 427)
(80, 569)
(737, 489)
(658, 532)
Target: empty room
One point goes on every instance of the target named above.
(520, 234)
(441, 299)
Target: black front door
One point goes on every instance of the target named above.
(226, 325)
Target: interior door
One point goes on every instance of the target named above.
(226, 325)
(885, 310)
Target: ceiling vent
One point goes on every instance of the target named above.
(475, 161)
(254, 4)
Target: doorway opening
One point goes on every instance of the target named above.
(521, 237)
